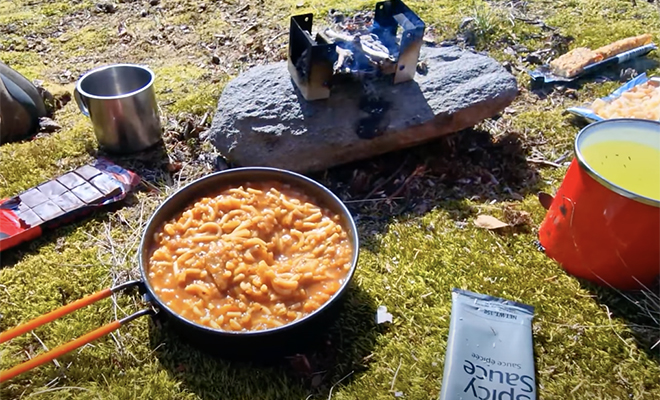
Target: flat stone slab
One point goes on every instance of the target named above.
(263, 120)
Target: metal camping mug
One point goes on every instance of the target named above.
(120, 101)
(598, 230)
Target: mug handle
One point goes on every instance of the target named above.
(81, 103)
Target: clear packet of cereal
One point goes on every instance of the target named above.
(587, 113)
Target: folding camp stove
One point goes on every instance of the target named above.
(379, 50)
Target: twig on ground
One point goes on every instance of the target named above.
(575, 389)
(562, 157)
(395, 375)
(57, 364)
(398, 170)
(59, 388)
(338, 382)
(118, 343)
(53, 382)
(274, 38)
(417, 172)
(609, 316)
(148, 355)
(373, 200)
(544, 162)
(248, 29)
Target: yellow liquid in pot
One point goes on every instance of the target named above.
(629, 165)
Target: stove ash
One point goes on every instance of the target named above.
(369, 53)
(362, 47)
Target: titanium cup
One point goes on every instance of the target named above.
(120, 101)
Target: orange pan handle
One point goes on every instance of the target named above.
(72, 345)
(62, 311)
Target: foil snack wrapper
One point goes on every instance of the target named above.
(588, 114)
(544, 73)
(489, 351)
(62, 200)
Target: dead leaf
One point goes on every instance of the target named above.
(489, 222)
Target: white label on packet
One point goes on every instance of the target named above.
(489, 351)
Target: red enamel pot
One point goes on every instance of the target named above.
(601, 231)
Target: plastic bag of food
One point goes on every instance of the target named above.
(59, 201)
(489, 352)
(638, 98)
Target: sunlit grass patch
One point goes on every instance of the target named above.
(85, 40)
(187, 88)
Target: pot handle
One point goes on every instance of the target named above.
(74, 344)
(81, 102)
(544, 198)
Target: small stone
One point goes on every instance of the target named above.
(571, 93)
(108, 8)
(422, 68)
(519, 48)
(48, 125)
(534, 58)
(143, 13)
(154, 2)
(215, 59)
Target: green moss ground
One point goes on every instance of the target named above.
(408, 263)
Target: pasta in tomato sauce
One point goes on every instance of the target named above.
(254, 257)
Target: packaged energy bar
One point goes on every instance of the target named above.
(59, 201)
(544, 74)
(489, 351)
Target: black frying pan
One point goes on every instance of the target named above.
(244, 343)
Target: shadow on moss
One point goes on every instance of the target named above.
(468, 165)
(339, 346)
(640, 311)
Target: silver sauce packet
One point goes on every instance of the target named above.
(490, 355)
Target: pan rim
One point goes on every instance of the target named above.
(294, 176)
